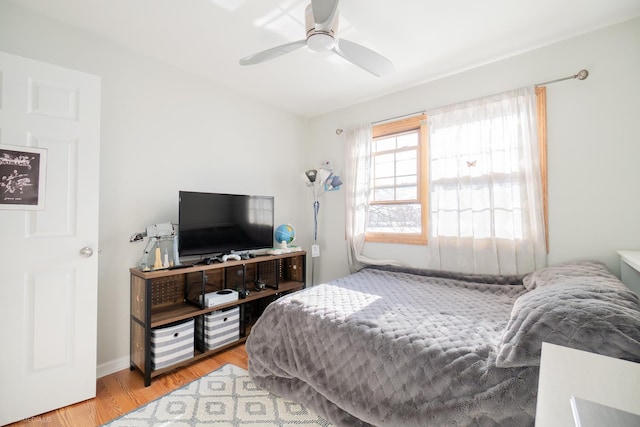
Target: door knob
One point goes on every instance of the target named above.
(86, 252)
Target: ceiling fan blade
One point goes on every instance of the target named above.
(364, 58)
(323, 12)
(272, 53)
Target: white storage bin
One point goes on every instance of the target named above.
(218, 328)
(172, 344)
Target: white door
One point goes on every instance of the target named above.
(48, 283)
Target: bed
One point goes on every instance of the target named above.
(391, 346)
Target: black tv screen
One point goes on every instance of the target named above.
(214, 223)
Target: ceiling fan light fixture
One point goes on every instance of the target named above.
(321, 24)
(320, 42)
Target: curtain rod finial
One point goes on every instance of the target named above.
(582, 74)
(339, 131)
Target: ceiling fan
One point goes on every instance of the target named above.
(321, 20)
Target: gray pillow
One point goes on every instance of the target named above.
(598, 314)
(584, 269)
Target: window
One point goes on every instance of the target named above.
(476, 183)
(486, 192)
(402, 160)
(398, 206)
(477, 172)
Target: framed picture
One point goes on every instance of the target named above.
(23, 171)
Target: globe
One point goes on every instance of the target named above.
(285, 233)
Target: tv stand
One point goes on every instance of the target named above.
(163, 299)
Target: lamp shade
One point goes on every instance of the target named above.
(323, 175)
(311, 175)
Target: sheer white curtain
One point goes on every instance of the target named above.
(486, 209)
(358, 169)
(357, 189)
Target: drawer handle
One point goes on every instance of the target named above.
(175, 335)
(225, 319)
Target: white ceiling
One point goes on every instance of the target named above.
(425, 39)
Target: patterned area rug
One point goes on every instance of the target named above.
(224, 398)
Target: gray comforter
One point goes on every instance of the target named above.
(400, 348)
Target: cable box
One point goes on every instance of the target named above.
(222, 296)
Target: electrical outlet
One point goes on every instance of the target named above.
(315, 251)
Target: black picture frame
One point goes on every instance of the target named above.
(23, 172)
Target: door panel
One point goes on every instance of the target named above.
(59, 218)
(49, 291)
(50, 319)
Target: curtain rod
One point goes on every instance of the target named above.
(580, 75)
(415, 113)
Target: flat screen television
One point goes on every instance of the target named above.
(215, 223)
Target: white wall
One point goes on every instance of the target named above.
(593, 144)
(161, 131)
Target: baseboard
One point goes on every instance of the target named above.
(112, 366)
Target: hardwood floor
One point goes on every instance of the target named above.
(123, 391)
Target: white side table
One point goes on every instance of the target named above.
(587, 413)
(566, 372)
(630, 269)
